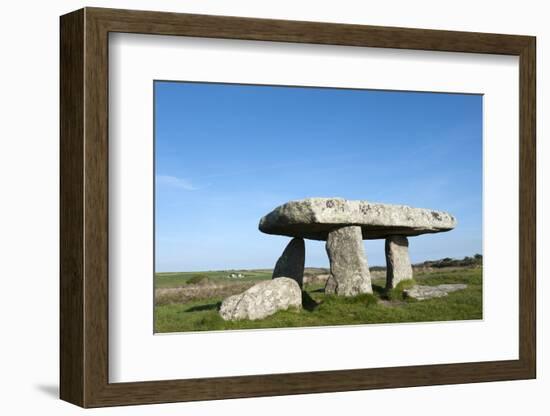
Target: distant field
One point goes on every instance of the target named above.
(178, 279)
(190, 301)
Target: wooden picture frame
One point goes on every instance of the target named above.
(84, 207)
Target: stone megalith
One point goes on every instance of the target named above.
(349, 271)
(398, 262)
(322, 218)
(291, 263)
(314, 218)
(262, 300)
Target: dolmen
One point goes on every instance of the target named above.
(344, 224)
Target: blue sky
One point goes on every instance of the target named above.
(226, 154)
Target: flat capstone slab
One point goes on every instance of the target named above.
(314, 218)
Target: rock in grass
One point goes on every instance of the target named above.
(427, 292)
(262, 300)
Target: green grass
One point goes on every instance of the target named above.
(320, 309)
(397, 292)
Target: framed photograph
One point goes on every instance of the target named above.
(254, 207)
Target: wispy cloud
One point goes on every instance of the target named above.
(175, 182)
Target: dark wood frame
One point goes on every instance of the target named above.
(84, 207)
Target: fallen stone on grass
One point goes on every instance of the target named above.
(419, 292)
(262, 300)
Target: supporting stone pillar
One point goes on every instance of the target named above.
(291, 262)
(398, 262)
(349, 271)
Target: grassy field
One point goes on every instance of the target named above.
(190, 301)
(174, 280)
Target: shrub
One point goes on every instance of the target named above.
(197, 279)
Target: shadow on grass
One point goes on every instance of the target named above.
(379, 290)
(308, 303)
(207, 307)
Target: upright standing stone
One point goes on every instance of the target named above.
(291, 262)
(398, 262)
(349, 272)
